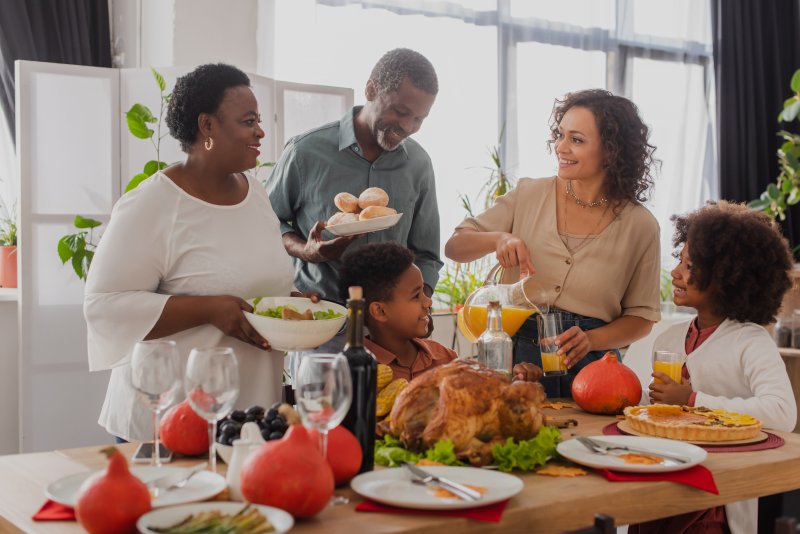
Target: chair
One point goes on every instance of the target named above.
(603, 524)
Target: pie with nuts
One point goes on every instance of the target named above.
(691, 423)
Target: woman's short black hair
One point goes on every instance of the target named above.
(626, 149)
(200, 91)
(376, 268)
(740, 255)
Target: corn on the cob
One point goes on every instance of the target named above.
(385, 376)
(387, 396)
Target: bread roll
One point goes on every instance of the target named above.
(372, 212)
(373, 196)
(342, 218)
(346, 202)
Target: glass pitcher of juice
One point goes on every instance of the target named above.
(519, 301)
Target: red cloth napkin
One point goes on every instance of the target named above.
(491, 512)
(698, 477)
(52, 511)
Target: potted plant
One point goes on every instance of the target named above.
(8, 252)
(785, 191)
(459, 280)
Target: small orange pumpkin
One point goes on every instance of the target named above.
(606, 386)
(183, 431)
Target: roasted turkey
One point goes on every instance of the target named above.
(469, 404)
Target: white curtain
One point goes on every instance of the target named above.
(502, 63)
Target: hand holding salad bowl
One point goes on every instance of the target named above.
(296, 323)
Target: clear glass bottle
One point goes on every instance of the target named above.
(494, 345)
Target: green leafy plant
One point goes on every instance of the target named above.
(8, 229)
(785, 191)
(461, 279)
(79, 248)
(665, 289)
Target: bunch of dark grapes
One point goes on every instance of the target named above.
(272, 424)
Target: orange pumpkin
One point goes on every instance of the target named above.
(183, 431)
(344, 453)
(110, 502)
(606, 386)
(288, 473)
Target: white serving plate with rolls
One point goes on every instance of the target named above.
(364, 227)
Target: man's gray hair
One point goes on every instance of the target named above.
(397, 64)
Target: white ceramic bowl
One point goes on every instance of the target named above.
(297, 335)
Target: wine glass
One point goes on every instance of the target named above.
(324, 392)
(323, 395)
(212, 386)
(156, 376)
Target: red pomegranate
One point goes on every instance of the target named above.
(183, 431)
(289, 473)
(112, 501)
(344, 453)
(606, 386)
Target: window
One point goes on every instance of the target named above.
(502, 63)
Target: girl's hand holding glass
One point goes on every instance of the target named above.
(212, 387)
(156, 376)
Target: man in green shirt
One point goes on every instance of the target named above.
(368, 147)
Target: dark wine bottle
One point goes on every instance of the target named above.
(360, 419)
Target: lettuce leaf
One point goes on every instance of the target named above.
(390, 452)
(526, 454)
(329, 314)
(443, 452)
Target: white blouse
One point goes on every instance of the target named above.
(161, 241)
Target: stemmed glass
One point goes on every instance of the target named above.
(156, 376)
(323, 394)
(212, 386)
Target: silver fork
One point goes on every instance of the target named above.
(175, 480)
(606, 448)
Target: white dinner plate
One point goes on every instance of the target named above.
(201, 486)
(393, 486)
(573, 450)
(365, 227)
(282, 521)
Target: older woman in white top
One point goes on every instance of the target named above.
(185, 249)
(584, 233)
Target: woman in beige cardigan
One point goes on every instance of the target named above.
(585, 233)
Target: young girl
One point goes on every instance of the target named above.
(733, 269)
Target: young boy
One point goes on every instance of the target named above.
(733, 269)
(397, 311)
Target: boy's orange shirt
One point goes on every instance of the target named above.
(431, 354)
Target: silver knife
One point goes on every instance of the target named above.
(460, 490)
(603, 447)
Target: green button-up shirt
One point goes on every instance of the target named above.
(320, 163)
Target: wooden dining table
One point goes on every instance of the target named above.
(546, 504)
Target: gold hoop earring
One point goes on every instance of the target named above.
(209, 144)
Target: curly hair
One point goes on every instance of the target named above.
(395, 65)
(200, 91)
(628, 154)
(376, 268)
(740, 255)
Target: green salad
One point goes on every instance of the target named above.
(525, 455)
(277, 311)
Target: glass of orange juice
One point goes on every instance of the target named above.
(549, 329)
(669, 363)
